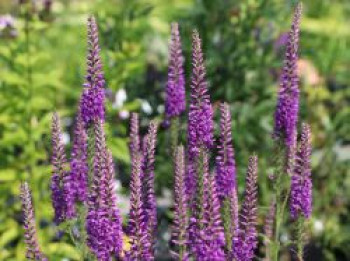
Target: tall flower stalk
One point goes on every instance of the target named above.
(225, 161)
(92, 99)
(137, 228)
(33, 251)
(286, 115)
(103, 221)
(92, 108)
(246, 241)
(301, 188)
(200, 117)
(206, 230)
(181, 220)
(149, 198)
(59, 172)
(175, 100)
(226, 176)
(285, 131)
(301, 185)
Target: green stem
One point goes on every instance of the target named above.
(300, 238)
(226, 218)
(174, 134)
(280, 203)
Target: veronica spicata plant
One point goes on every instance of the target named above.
(209, 221)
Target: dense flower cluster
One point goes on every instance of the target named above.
(208, 223)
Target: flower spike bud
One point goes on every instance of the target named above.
(33, 251)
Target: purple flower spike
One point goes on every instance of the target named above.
(77, 184)
(103, 222)
(149, 202)
(200, 125)
(246, 241)
(215, 227)
(97, 223)
(181, 220)
(137, 232)
(286, 115)
(175, 101)
(200, 119)
(92, 100)
(301, 185)
(59, 172)
(225, 162)
(206, 230)
(33, 251)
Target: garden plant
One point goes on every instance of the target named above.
(211, 220)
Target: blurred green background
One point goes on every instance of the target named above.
(42, 64)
